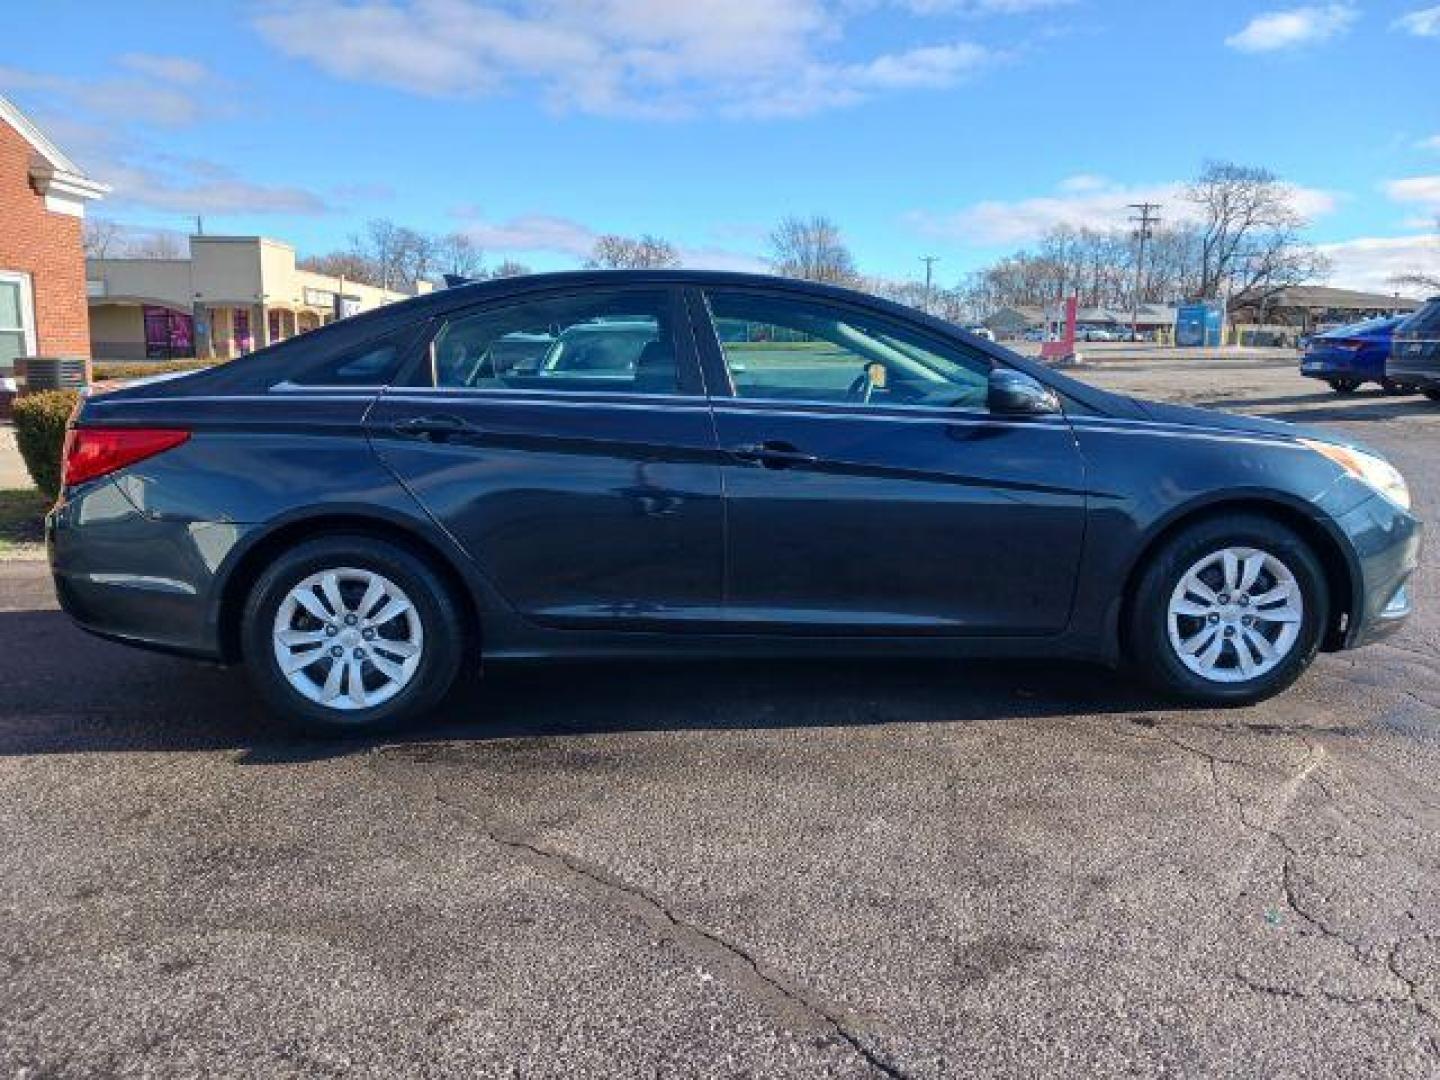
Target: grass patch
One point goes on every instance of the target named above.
(22, 527)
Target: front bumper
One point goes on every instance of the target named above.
(130, 577)
(1385, 542)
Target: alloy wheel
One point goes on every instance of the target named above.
(1235, 615)
(348, 638)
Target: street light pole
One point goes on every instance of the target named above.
(1146, 219)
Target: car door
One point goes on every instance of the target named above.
(564, 439)
(868, 490)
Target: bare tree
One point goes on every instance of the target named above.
(1249, 228)
(350, 265)
(615, 252)
(812, 249)
(457, 253)
(510, 268)
(103, 238)
(1420, 278)
(160, 244)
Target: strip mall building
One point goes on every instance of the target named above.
(234, 294)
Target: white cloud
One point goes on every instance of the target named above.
(658, 58)
(172, 103)
(1293, 28)
(1421, 191)
(529, 234)
(1432, 143)
(1082, 201)
(1422, 23)
(174, 69)
(1371, 263)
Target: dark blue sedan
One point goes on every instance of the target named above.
(1350, 356)
(703, 464)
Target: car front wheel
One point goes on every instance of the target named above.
(1344, 386)
(351, 635)
(1229, 611)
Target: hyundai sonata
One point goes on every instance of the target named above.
(638, 464)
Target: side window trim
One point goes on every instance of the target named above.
(717, 370)
(420, 372)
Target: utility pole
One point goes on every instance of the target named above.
(929, 261)
(1146, 219)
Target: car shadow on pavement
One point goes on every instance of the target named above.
(66, 692)
(1324, 406)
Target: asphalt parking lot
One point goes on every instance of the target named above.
(894, 869)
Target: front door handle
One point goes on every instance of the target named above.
(773, 454)
(439, 427)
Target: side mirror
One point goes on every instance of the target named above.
(1013, 393)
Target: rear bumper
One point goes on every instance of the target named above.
(1386, 542)
(129, 577)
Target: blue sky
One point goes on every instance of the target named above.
(959, 128)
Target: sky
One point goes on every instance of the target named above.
(961, 129)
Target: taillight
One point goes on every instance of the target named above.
(95, 451)
(1348, 344)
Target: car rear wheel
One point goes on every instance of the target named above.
(351, 635)
(1229, 611)
(1390, 386)
(1433, 393)
(1344, 386)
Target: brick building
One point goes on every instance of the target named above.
(43, 194)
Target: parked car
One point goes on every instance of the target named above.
(1350, 356)
(983, 332)
(357, 518)
(1094, 333)
(1415, 350)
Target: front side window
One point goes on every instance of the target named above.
(795, 349)
(621, 342)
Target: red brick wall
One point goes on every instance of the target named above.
(46, 245)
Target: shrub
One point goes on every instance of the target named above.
(40, 432)
(104, 370)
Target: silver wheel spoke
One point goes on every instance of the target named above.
(1192, 609)
(1231, 563)
(1260, 643)
(397, 606)
(402, 649)
(1193, 586)
(1243, 655)
(298, 661)
(1249, 571)
(388, 668)
(346, 683)
(330, 589)
(1207, 659)
(1285, 614)
(311, 603)
(331, 689)
(293, 638)
(373, 592)
(356, 682)
(1193, 645)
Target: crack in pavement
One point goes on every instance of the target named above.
(798, 1008)
(1289, 871)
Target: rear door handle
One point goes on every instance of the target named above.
(773, 454)
(434, 427)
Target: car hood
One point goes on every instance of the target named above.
(1189, 416)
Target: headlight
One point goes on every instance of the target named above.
(1367, 468)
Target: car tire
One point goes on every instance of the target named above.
(1166, 617)
(1344, 386)
(1433, 393)
(1397, 389)
(398, 629)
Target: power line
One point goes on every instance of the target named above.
(1146, 219)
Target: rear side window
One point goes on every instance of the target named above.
(372, 364)
(621, 342)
